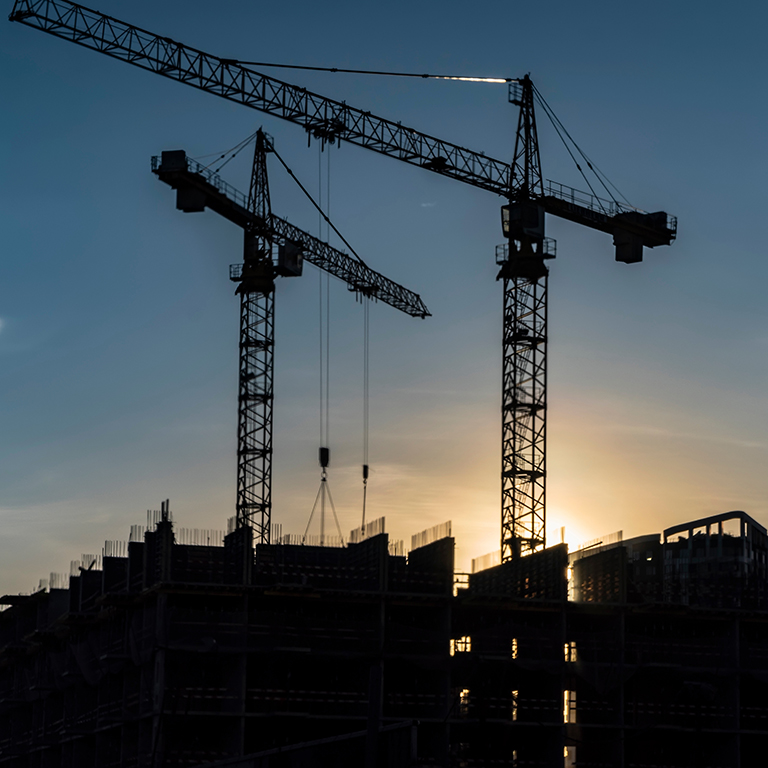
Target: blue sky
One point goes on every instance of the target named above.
(118, 324)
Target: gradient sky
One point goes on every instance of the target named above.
(118, 324)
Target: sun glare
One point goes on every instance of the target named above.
(474, 79)
(559, 518)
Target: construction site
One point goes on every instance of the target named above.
(254, 649)
(293, 655)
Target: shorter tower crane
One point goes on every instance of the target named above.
(272, 248)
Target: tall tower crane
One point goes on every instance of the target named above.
(520, 184)
(197, 188)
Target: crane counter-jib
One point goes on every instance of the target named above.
(326, 119)
(198, 188)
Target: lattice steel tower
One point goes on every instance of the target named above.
(257, 343)
(524, 370)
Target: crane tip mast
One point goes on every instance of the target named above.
(524, 274)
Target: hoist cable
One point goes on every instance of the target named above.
(599, 175)
(324, 311)
(236, 150)
(322, 357)
(319, 209)
(366, 379)
(312, 514)
(602, 177)
(319, 204)
(222, 153)
(335, 516)
(327, 359)
(325, 383)
(606, 180)
(464, 78)
(320, 298)
(555, 122)
(328, 312)
(366, 402)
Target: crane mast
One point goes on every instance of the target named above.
(256, 288)
(522, 258)
(524, 357)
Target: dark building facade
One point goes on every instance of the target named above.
(717, 562)
(287, 656)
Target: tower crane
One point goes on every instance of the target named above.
(197, 188)
(520, 183)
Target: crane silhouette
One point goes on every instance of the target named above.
(264, 233)
(528, 198)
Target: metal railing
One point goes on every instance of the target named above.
(548, 250)
(211, 177)
(586, 199)
(597, 204)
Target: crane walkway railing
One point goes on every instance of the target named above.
(212, 178)
(586, 199)
(598, 205)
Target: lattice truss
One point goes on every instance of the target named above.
(357, 275)
(257, 344)
(322, 117)
(254, 451)
(524, 416)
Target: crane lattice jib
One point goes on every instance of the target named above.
(358, 277)
(232, 204)
(322, 117)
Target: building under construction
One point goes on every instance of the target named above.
(288, 655)
(250, 653)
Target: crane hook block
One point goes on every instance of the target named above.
(325, 456)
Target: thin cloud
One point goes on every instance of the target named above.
(667, 434)
(431, 391)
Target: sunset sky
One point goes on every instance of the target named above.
(119, 325)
